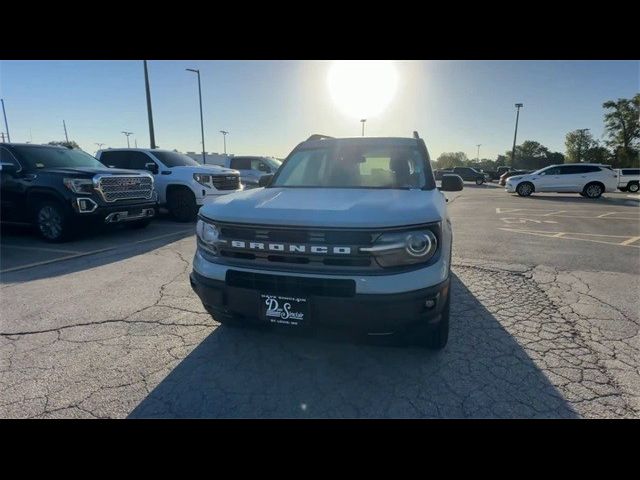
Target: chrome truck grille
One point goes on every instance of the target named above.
(113, 188)
(226, 182)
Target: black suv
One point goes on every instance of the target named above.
(58, 189)
(469, 174)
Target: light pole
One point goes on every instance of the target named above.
(515, 134)
(363, 122)
(201, 120)
(127, 135)
(65, 131)
(224, 139)
(6, 125)
(152, 136)
(99, 145)
(581, 130)
(478, 157)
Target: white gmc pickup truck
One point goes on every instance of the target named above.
(182, 184)
(350, 232)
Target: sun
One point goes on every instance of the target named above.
(362, 88)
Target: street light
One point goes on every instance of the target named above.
(99, 145)
(224, 139)
(581, 130)
(478, 157)
(363, 121)
(127, 135)
(201, 120)
(515, 134)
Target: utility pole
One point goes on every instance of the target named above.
(127, 135)
(363, 122)
(582, 134)
(204, 161)
(224, 139)
(152, 136)
(65, 131)
(6, 125)
(478, 157)
(515, 134)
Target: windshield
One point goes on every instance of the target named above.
(55, 157)
(354, 166)
(175, 159)
(274, 163)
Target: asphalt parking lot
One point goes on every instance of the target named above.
(544, 324)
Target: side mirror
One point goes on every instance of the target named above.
(265, 180)
(152, 167)
(9, 168)
(451, 183)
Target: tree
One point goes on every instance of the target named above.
(598, 154)
(70, 144)
(532, 155)
(622, 129)
(578, 143)
(451, 159)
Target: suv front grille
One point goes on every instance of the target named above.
(286, 285)
(119, 187)
(226, 182)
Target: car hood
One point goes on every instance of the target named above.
(207, 170)
(328, 207)
(516, 177)
(87, 171)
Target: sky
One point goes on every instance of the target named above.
(268, 107)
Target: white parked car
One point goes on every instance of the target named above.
(629, 179)
(251, 168)
(183, 185)
(588, 179)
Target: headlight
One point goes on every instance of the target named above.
(202, 179)
(208, 235)
(403, 248)
(79, 185)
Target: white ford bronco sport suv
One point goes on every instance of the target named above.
(182, 184)
(350, 232)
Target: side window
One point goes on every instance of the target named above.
(114, 159)
(591, 169)
(257, 164)
(565, 170)
(7, 157)
(241, 163)
(138, 160)
(552, 171)
(630, 171)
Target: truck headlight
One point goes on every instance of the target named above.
(202, 179)
(403, 248)
(207, 234)
(79, 185)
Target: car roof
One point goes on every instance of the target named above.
(37, 145)
(120, 149)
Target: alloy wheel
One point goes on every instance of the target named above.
(50, 222)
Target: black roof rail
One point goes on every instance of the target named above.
(317, 136)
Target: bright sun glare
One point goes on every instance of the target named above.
(363, 88)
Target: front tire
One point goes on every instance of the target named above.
(53, 222)
(182, 205)
(524, 189)
(593, 190)
(633, 187)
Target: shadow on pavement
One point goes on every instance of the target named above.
(605, 200)
(242, 373)
(20, 248)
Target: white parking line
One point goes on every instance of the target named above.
(44, 249)
(92, 252)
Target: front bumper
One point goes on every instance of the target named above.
(371, 313)
(510, 188)
(116, 213)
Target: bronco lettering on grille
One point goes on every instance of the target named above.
(291, 248)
